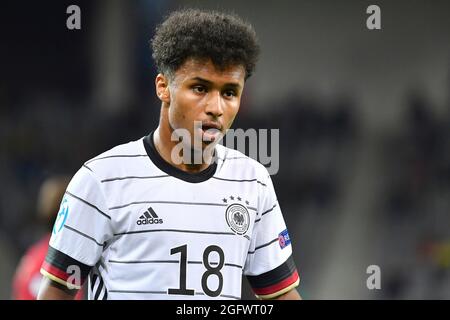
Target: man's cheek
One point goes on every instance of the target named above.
(233, 116)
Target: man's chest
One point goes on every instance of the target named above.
(152, 220)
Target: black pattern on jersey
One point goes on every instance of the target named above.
(274, 276)
(221, 295)
(117, 156)
(180, 231)
(138, 291)
(62, 262)
(263, 246)
(172, 261)
(83, 235)
(176, 230)
(168, 202)
(85, 166)
(134, 177)
(232, 158)
(267, 211)
(97, 287)
(89, 204)
(164, 292)
(241, 180)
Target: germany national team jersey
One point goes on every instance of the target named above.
(139, 228)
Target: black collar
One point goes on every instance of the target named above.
(163, 165)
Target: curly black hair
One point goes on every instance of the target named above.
(192, 33)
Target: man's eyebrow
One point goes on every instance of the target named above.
(201, 80)
(228, 85)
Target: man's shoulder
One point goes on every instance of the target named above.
(117, 154)
(238, 161)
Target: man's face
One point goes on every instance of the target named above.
(201, 93)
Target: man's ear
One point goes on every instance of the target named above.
(162, 88)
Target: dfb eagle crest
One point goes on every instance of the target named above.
(238, 218)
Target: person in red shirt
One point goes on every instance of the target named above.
(27, 278)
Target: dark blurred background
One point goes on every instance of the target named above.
(364, 119)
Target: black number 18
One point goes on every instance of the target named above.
(210, 270)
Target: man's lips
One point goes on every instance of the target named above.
(211, 130)
(211, 125)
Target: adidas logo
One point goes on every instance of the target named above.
(149, 217)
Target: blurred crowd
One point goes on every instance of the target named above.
(416, 204)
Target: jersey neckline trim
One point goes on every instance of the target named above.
(166, 167)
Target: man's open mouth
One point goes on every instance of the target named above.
(211, 131)
(211, 126)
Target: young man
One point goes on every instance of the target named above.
(141, 224)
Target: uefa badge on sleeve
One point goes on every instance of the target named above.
(61, 217)
(283, 239)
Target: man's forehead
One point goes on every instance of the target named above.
(194, 68)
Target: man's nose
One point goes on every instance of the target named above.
(214, 105)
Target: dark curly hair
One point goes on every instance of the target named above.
(192, 33)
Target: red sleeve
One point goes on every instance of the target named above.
(27, 277)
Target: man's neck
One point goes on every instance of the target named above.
(164, 146)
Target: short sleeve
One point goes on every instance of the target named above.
(81, 230)
(270, 267)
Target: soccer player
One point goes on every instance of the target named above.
(140, 224)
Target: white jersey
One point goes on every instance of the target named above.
(140, 228)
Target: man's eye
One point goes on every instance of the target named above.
(229, 93)
(199, 89)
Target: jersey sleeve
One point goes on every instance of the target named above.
(80, 233)
(270, 268)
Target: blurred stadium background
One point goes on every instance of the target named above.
(364, 119)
